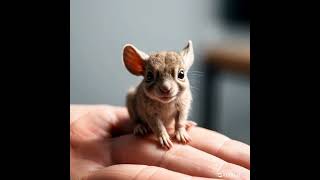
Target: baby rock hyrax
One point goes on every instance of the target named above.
(164, 94)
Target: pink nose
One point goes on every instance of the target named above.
(165, 88)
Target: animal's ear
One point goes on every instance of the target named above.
(187, 54)
(134, 59)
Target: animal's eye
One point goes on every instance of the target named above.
(149, 77)
(181, 74)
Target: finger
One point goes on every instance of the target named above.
(119, 117)
(121, 114)
(180, 158)
(88, 122)
(118, 114)
(190, 124)
(221, 146)
(138, 172)
(76, 111)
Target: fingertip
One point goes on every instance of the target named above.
(221, 146)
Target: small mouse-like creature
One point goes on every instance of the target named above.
(164, 94)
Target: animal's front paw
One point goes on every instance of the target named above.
(140, 129)
(182, 135)
(165, 141)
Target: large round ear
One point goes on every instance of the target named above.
(133, 59)
(187, 54)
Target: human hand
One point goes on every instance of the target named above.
(102, 147)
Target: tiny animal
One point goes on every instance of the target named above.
(163, 96)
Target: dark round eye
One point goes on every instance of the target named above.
(149, 77)
(181, 74)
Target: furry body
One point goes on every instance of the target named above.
(163, 97)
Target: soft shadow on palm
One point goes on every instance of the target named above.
(102, 147)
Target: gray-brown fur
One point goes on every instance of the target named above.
(164, 100)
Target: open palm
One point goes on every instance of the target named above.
(102, 147)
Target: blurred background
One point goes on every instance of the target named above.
(219, 29)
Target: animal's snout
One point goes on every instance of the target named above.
(165, 88)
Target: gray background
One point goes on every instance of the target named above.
(100, 28)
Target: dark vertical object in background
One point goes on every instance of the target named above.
(236, 12)
(210, 97)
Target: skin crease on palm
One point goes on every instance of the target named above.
(102, 146)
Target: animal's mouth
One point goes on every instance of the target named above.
(166, 98)
(163, 98)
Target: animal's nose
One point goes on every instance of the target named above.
(165, 88)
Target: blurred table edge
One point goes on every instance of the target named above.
(236, 59)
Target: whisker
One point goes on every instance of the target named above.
(193, 87)
(195, 75)
(196, 72)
